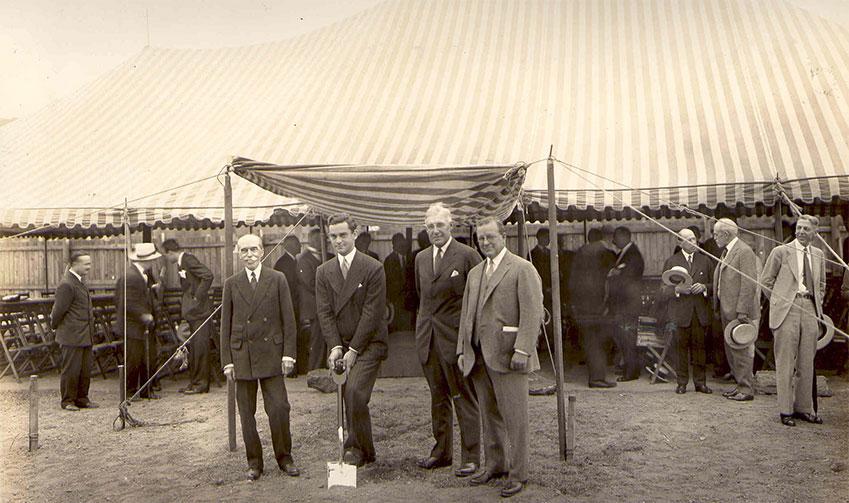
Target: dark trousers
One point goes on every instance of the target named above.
(138, 371)
(199, 368)
(715, 340)
(626, 340)
(302, 357)
(318, 347)
(76, 374)
(595, 338)
(452, 393)
(357, 393)
(276, 403)
(690, 343)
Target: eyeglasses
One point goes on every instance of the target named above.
(253, 250)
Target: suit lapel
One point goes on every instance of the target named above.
(794, 261)
(355, 276)
(475, 279)
(447, 261)
(244, 287)
(429, 273)
(497, 276)
(261, 288)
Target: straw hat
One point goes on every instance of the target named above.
(740, 335)
(143, 252)
(826, 332)
(677, 276)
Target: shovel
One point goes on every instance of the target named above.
(340, 474)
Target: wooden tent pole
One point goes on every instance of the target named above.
(228, 271)
(557, 330)
(779, 231)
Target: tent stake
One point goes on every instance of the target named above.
(33, 413)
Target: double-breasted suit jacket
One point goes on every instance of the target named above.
(195, 280)
(257, 327)
(71, 316)
(683, 308)
(139, 302)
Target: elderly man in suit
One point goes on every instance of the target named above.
(499, 324)
(350, 295)
(311, 345)
(72, 319)
(195, 307)
(441, 274)
(794, 279)
(736, 293)
(258, 344)
(689, 308)
(624, 299)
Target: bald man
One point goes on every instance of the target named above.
(258, 347)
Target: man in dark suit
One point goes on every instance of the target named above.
(195, 307)
(363, 243)
(587, 281)
(499, 324)
(624, 300)
(689, 308)
(258, 344)
(72, 319)
(398, 266)
(311, 346)
(288, 265)
(140, 336)
(441, 273)
(541, 259)
(350, 295)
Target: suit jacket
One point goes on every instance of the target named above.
(588, 276)
(71, 316)
(541, 259)
(510, 316)
(288, 265)
(397, 278)
(781, 275)
(351, 310)
(683, 308)
(257, 327)
(195, 304)
(307, 265)
(441, 299)
(625, 289)
(734, 293)
(139, 302)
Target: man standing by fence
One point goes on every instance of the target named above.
(72, 320)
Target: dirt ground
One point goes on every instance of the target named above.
(637, 442)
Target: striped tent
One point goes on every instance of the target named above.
(649, 103)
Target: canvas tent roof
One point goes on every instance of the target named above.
(693, 101)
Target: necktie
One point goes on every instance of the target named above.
(344, 268)
(689, 262)
(253, 280)
(437, 261)
(489, 268)
(807, 274)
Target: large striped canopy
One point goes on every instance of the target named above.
(680, 101)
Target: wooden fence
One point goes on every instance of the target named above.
(36, 265)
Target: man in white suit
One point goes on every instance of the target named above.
(794, 277)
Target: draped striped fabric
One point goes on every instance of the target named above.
(393, 195)
(688, 100)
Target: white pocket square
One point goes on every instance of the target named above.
(454, 273)
(360, 285)
(182, 274)
(510, 329)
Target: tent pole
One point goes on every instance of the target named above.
(557, 331)
(779, 231)
(228, 271)
(522, 249)
(46, 269)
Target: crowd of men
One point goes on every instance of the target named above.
(477, 323)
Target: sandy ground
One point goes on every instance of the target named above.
(638, 442)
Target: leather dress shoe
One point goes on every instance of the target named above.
(88, 404)
(254, 473)
(431, 462)
(808, 418)
(787, 420)
(512, 487)
(602, 384)
(729, 392)
(351, 458)
(486, 476)
(290, 469)
(71, 407)
(196, 391)
(466, 470)
(626, 379)
(187, 388)
(741, 397)
(702, 388)
(681, 389)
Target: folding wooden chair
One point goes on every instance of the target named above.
(657, 343)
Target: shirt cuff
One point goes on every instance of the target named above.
(334, 348)
(354, 350)
(521, 352)
(228, 366)
(288, 359)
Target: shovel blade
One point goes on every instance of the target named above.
(341, 474)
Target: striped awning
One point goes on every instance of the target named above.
(392, 195)
(679, 101)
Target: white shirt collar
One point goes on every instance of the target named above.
(75, 274)
(688, 256)
(444, 247)
(257, 272)
(731, 244)
(349, 258)
(180, 259)
(497, 260)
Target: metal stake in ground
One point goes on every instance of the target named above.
(33, 413)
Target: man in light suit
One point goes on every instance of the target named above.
(441, 273)
(500, 321)
(689, 307)
(737, 297)
(350, 295)
(309, 330)
(195, 307)
(794, 278)
(258, 344)
(72, 319)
